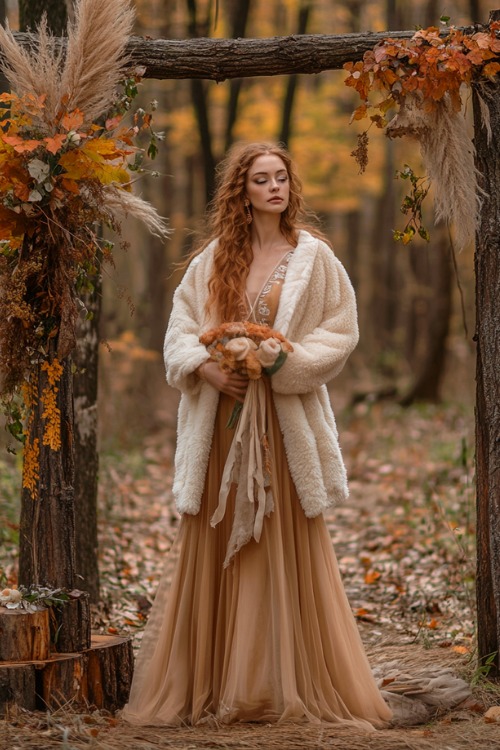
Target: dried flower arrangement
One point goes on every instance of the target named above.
(67, 161)
(423, 77)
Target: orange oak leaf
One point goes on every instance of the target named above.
(372, 576)
(54, 143)
(20, 145)
(72, 120)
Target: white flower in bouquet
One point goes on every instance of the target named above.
(269, 351)
(241, 347)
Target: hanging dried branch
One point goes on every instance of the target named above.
(448, 156)
(423, 77)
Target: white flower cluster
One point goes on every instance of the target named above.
(10, 598)
(266, 352)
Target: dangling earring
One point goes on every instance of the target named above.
(248, 213)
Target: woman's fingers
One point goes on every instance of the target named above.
(231, 383)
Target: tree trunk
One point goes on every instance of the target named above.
(487, 265)
(430, 317)
(240, 10)
(86, 361)
(286, 121)
(31, 11)
(200, 104)
(47, 525)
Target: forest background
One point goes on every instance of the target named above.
(414, 340)
(416, 309)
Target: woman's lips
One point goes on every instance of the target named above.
(275, 200)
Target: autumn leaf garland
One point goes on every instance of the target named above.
(422, 78)
(67, 160)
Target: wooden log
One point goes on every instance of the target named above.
(109, 670)
(60, 681)
(220, 59)
(100, 676)
(24, 636)
(70, 624)
(17, 686)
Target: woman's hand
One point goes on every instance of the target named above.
(231, 383)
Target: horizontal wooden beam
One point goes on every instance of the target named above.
(219, 59)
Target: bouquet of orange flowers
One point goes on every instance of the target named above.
(252, 350)
(247, 348)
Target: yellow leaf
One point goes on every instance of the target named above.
(372, 576)
(75, 164)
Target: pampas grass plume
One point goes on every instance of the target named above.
(95, 56)
(448, 155)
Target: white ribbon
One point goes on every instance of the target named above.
(247, 465)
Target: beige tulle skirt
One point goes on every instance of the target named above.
(269, 638)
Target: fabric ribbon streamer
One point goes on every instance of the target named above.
(248, 466)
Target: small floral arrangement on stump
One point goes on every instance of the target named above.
(32, 598)
(422, 78)
(247, 348)
(67, 161)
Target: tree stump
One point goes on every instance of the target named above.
(17, 686)
(108, 671)
(70, 624)
(24, 636)
(99, 676)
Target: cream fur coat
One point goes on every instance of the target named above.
(317, 313)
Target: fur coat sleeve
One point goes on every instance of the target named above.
(323, 327)
(182, 350)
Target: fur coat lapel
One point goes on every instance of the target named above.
(296, 281)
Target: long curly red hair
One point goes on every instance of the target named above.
(226, 221)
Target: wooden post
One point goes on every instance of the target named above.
(487, 336)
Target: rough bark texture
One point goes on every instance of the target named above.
(24, 636)
(109, 666)
(31, 11)
(487, 265)
(430, 317)
(100, 677)
(47, 525)
(86, 359)
(17, 687)
(70, 624)
(220, 59)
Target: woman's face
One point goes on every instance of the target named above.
(267, 184)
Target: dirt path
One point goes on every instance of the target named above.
(405, 547)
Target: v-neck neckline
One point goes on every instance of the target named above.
(259, 293)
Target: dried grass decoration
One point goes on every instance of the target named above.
(66, 161)
(422, 77)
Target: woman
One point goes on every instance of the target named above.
(267, 635)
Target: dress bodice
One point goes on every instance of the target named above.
(264, 306)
